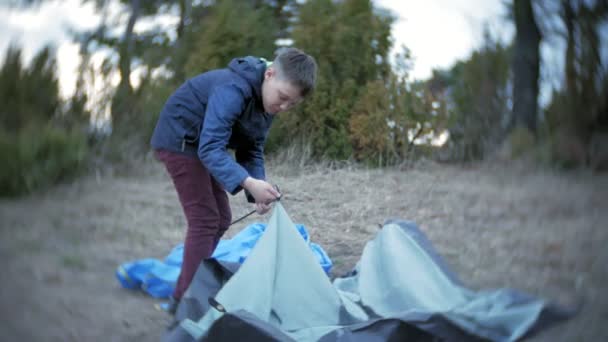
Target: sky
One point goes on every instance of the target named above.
(438, 32)
(48, 24)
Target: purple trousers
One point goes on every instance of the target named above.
(206, 208)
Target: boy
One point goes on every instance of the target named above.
(225, 108)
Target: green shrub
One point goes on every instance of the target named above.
(37, 157)
(130, 136)
(522, 141)
(331, 32)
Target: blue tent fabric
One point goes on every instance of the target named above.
(399, 288)
(150, 275)
(158, 278)
(238, 248)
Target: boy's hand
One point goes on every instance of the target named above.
(262, 208)
(262, 191)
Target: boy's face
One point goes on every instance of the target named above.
(278, 95)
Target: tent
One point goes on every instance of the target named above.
(399, 290)
(159, 277)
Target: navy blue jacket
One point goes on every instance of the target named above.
(215, 111)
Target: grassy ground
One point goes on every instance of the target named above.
(540, 231)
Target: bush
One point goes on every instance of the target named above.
(147, 109)
(479, 96)
(130, 137)
(522, 141)
(370, 133)
(39, 156)
(331, 31)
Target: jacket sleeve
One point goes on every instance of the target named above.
(253, 161)
(224, 106)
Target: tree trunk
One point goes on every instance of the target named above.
(126, 49)
(570, 75)
(526, 66)
(185, 8)
(179, 55)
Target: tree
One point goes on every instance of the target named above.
(125, 49)
(578, 112)
(130, 48)
(350, 41)
(526, 66)
(29, 95)
(34, 150)
(231, 28)
(478, 99)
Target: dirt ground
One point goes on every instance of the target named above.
(540, 231)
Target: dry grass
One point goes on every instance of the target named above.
(536, 230)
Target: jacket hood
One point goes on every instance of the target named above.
(252, 69)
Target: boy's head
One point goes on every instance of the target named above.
(289, 79)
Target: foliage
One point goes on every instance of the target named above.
(363, 108)
(128, 50)
(389, 118)
(28, 94)
(38, 156)
(133, 136)
(578, 111)
(369, 115)
(351, 43)
(34, 151)
(521, 141)
(232, 28)
(479, 95)
(350, 39)
(228, 29)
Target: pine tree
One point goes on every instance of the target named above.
(231, 29)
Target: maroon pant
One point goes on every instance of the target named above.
(206, 207)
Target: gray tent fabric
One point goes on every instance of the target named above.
(400, 290)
